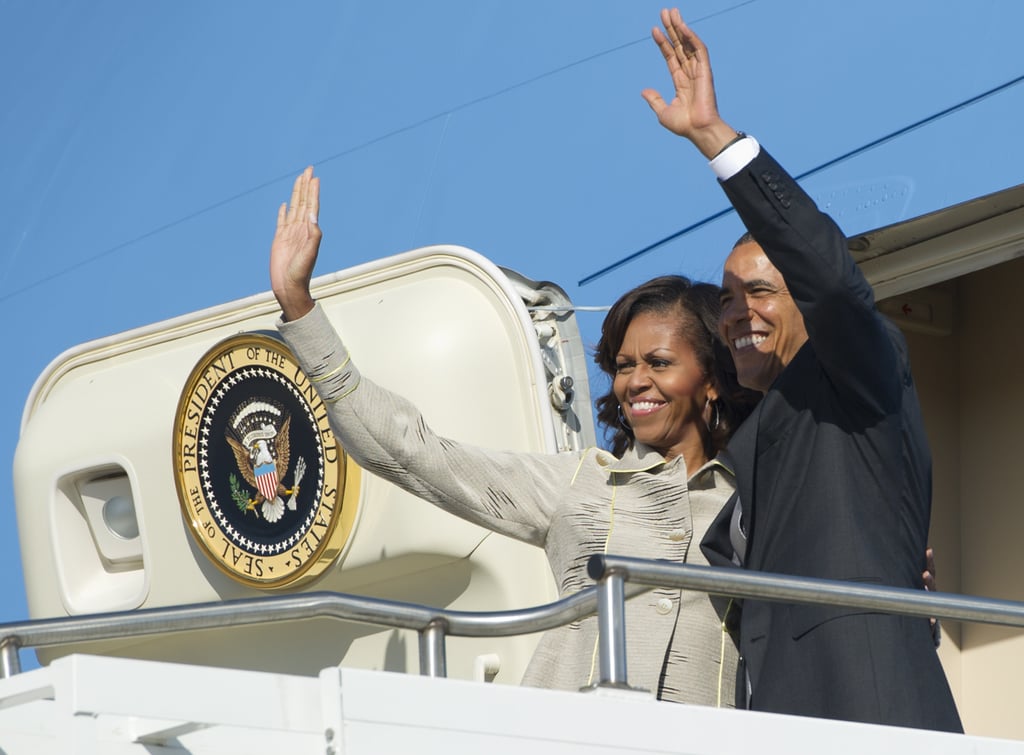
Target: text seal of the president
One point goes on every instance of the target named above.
(268, 492)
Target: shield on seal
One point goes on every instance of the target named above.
(266, 480)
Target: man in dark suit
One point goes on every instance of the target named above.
(833, 467)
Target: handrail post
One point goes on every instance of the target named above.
(10, 662)
(432, 650)
(611, 627)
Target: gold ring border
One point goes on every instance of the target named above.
(349, 480)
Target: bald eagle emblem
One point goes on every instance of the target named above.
(258, 436)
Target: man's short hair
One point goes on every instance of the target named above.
(746, 238)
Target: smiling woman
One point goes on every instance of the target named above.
(654, 496)
(674, 383)
(666, 397)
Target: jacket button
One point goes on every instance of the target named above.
(663, 606)
(677, 535)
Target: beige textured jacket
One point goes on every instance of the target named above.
(572, 505)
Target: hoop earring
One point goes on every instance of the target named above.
(716, 415)
(622, 419)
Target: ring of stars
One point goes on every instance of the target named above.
(227, 528)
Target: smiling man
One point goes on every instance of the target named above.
(760, 322)
(833, 467)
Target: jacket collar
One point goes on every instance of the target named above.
(639, 458)
(643, 458)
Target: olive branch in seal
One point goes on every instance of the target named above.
(240, 498)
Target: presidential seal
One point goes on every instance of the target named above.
(267, 491)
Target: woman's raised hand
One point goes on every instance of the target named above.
(296, 244)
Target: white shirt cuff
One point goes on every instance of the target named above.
(735, 158)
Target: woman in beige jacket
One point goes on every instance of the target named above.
(672, 405)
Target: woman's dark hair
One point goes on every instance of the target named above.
(698, 306)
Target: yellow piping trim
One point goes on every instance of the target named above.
(336, 399)
(721, 658)
(339, 368)
(579, 467)
(607, 540)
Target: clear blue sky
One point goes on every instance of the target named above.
(146, 146)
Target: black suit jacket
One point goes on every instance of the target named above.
(834, 476)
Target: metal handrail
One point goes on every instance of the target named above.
(619, 578)
(613, 572)
(432, 624)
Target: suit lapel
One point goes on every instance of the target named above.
(743, 450)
